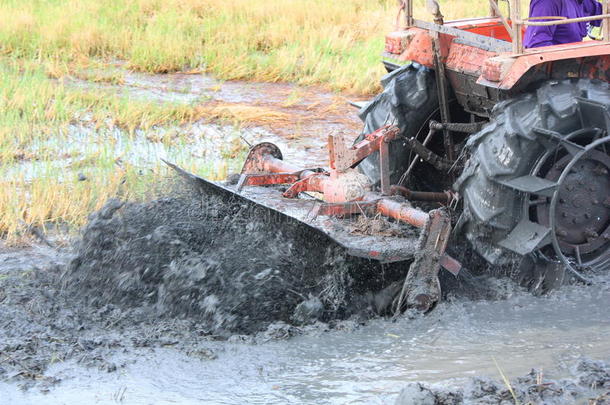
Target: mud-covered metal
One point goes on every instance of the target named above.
(265, 167)
(421, 288)
(269, 206)
(582, 212)
(589, 59)
(478, 56)
(590, 211)
(446, 197)
(343, 158)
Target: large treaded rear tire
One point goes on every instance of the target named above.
(409, 100)
(509, 148)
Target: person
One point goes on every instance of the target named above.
(536, 36)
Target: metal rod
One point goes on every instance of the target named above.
(553, 17)
(606, 23)
(566, 21)
(493, 8)
(496, 13)
(441, 83)
(429, 156)
(427, 196)
(417, 157)
(515, 16)
(384, 167)
(402, 212)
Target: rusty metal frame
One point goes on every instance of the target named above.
(443, 98)
(342, 158)
(466, 37)
(518, 23)
(515, 28)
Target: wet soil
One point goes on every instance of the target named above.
(297, 119)
(104, 343)
(186, 300)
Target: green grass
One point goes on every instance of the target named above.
(313, 41)
(42, 159)
(334, 44)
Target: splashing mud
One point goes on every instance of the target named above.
(187, 299)
(151, 289)
(221, 264)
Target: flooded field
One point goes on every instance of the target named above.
(354, 362)
(57, 347)
(297, 119)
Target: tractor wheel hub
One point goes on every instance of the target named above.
(583, 209)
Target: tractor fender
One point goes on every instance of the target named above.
(585, 60)
(416, 46)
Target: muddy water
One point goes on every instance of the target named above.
(307, 117)
(313, 113)
(356, 363)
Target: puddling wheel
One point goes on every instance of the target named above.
(537, 180)
(579, 211)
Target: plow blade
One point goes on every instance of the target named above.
(405, 244)
(266, 204)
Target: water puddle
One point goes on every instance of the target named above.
(309, 114)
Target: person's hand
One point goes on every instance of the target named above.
(595, 33)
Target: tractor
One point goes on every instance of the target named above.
(474, 138)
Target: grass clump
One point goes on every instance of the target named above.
(303, 41)
(60, 152)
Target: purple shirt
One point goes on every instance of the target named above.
(560, 34)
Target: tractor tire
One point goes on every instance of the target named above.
(506, 206)
(409, 100)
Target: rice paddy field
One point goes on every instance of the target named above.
(70, 137)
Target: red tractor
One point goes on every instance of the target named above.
(505, 146)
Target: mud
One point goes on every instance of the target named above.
(175, 271)
(195, 257)
(72, 336)
(66, 342)
(189, 300)
(589, 384)
(304, 117)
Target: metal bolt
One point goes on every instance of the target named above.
(562, 201)
(600, 170)
(587, 215)
(561, 233)
(590, 233)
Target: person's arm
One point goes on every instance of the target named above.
(536, 36)
(592, 7)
